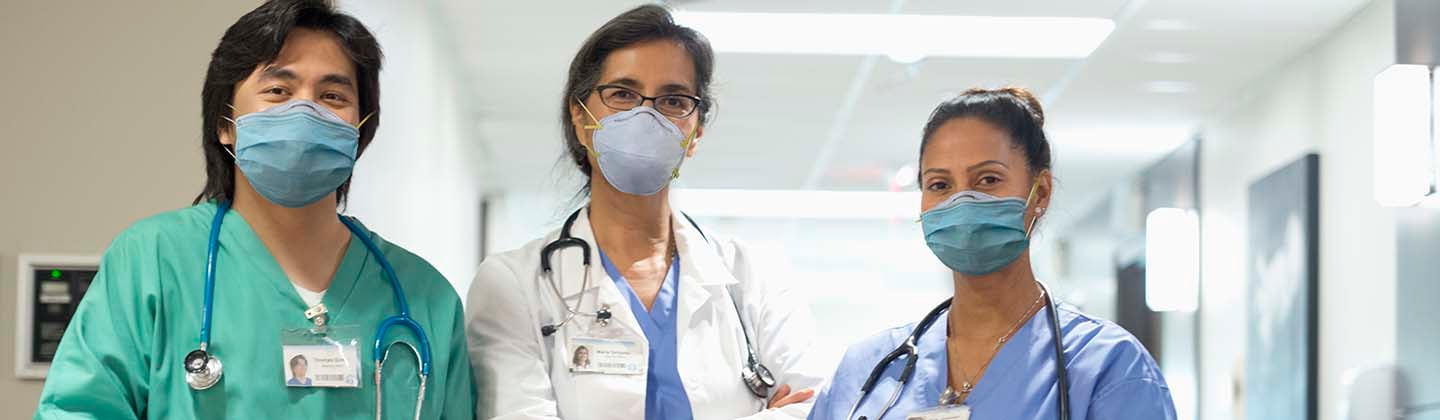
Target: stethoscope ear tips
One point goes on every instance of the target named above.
(547, 330)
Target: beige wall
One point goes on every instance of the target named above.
(99, 127)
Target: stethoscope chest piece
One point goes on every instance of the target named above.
(202, 370)
(757, 377)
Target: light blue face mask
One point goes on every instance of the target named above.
(639, 151)
(975, 233)
(295, 153)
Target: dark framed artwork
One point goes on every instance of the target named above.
(1283, 286)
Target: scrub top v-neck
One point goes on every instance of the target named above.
(665, 396)
(120, 355)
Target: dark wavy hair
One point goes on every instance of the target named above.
(639, 25)
(255, 40)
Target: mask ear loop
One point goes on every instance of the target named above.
(1038, 211)
(684, 144)
(595, 126)
(233, 124)
(363, 120)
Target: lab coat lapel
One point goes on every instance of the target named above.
(601, 292)
(703, 275)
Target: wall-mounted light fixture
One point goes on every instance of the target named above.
(1405, 135)
(1172, 260)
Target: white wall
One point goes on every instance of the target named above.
(1319, 102)
(419, 184)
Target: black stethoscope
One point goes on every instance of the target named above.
(755, 375)
(911, 355)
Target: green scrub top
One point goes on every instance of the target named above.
(121, 354)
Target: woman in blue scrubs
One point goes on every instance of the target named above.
(990, 352)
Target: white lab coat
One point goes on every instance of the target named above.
(522, 375)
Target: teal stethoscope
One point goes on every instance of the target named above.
(203, 370)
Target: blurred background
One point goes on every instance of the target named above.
(1227, 182)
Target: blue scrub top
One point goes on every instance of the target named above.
(665, 396)
(1111, 374)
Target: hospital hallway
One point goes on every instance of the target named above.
(1249, 188)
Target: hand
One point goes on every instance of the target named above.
(783, 397)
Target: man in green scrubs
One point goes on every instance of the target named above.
(306, 76)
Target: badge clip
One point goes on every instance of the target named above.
(602, 316)
(320, 315)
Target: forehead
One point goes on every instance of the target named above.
(966, 141)
(653, 64)
(307, 50)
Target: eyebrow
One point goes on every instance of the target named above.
(675, 88)
(636, 85)
(626, 82)
(273, 72)
(972, 168)
(941, 171)
(338, 79)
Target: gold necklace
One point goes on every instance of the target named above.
(968, 385)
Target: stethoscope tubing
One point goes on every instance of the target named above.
(211, 253)
(909, 351)
(402, 319)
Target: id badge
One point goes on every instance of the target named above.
(328, 359)
(610, 356)
(949, 412)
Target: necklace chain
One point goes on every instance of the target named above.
(967, 386)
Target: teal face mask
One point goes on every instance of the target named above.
(975, 233)
(295, 153)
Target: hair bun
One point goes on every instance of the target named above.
(1019, 94)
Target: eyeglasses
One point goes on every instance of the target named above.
(674, 105)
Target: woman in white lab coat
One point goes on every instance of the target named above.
(631, 310)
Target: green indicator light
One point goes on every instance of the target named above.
(54, 274)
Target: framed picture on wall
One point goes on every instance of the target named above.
(1283, 285)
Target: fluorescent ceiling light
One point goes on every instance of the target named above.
(1168, 25)
(800, 204)
(904, 37)
(1172, 260)
(1169, 87)
(1127, 141)
(1404, 151)
(1167, 57)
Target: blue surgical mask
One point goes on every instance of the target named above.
(975, 233)
(295, 153)
(639, 151)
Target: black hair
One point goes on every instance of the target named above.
(255, 40)
(1013, 110)
(298, 359)
(641, 24)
